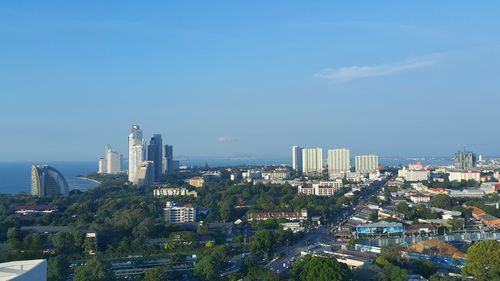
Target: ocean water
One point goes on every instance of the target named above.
(15, 177)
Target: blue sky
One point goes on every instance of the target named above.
(229, 78)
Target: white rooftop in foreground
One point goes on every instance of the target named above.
(26, 270)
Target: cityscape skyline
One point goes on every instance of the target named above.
(249, 140)
(225, 76)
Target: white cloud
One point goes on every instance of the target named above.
(225, 139)
(349, 73)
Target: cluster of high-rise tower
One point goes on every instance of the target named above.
(146, 162)
(309, 161)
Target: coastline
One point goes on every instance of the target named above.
(88, 179)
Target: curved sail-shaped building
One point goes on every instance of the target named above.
(46, 181)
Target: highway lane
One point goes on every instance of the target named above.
(321, 235)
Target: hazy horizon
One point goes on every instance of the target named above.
(223, 79)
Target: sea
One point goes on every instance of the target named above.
(15, 177)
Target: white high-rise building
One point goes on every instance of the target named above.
(366, 163)
(111, 163)
(339, 161)
(297, 158)
(312, 161)
(102, 166)
(136, 152)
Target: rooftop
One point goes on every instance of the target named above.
(10, 270)
(383, 224)
(35, 207)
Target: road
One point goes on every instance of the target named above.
(321, 235)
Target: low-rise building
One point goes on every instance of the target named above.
(395, 183)
(35, 209)
(446, 214)
(490, 187)
(418, 198)
(490, 221)
(364, 215)
(277, 174)
(421, 228)
(419, 187)
(380, 228)
(251, 175)
(173, 191)
(384, 213)
(179, 214)
(438, 190)
(465, 175)
(295, 227)
(290, 216)
(211, 175)
(414, 175)
(196, 182)
(350, 260)
(496, 175)
(487, 219)
(323, 188)
(466, 193)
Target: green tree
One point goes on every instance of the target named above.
(284, 236)
(483, 261)
(455, 224)
(391, 272)
(95, 269)
(144, 230)
(321, 269)
(207, 267)
(424, 268)
(58, 268)
(155, 274)
(13, 233)
(226, 209)
(220, 253)
(262, 241)
(33, 243)
(395, 273)
(441, 201)
(392, 254)
(405, 209)
(63, 242)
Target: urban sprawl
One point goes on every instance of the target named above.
(259, 222)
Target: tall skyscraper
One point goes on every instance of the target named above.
(155, 154)
(46, 181)
(465, 160)
(168, 159)
(312, 161)
(366, 163)
(297, 158)
(145, 174)
(111, 162)
(339, 161)
(136, 152)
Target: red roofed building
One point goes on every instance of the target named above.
(35, 209)
(485, 218)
